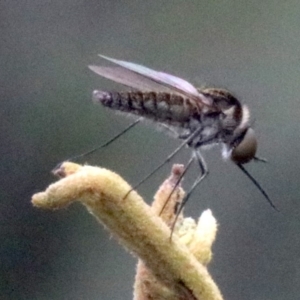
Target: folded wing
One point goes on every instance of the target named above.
(143, 78)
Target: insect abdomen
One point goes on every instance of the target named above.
(162, 107)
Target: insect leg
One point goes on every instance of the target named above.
(103, 145)
(178, 181)
(203, 174)
(184, 143)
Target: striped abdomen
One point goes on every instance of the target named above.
(159, 106)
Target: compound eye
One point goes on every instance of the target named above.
(246, 149)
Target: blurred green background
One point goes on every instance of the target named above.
(249, 47)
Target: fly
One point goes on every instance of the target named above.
(198, 117)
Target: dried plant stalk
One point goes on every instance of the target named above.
(138, 228)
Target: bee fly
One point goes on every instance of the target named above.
(198, 117)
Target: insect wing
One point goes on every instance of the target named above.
(173, 82)
(129, 78)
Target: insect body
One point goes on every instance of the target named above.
(199, 117)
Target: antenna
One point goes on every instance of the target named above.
(257, 185)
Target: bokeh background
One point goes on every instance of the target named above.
(249, 47)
